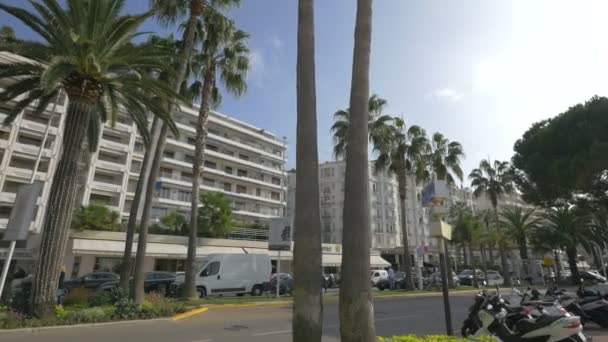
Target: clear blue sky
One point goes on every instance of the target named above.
(481, 72)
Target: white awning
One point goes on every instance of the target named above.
(378, 261)
(154, 249)
(331, 260)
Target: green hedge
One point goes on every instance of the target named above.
(433, 338)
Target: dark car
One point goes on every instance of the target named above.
(466, 277)
(91, 281)
(434, 280)
(400, 278)
(285, 284)
(153, 282)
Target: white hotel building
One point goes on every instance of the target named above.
(243, 162)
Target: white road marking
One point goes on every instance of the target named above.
(207, 340)
(273, 333)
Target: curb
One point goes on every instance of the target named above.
(85, 325)
(428, 294)
(189, 314)
(221, 307)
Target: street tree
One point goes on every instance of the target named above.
(214, 215)
(519, 223)
(224, 53)
(308, 306)
(96, 216)
(494, 181)
(356, 307)
(401, 151)
(100, 69)
(168, 13)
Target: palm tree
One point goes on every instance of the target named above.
(100, 69)
(168, 13)
(570, 230)
(340, 128)
(401, 151)
(356, 308)
(443, 160)
(494, 181)
(308, 307)
(544, 240)
(224, 52)
(460, 217)
(519, 222)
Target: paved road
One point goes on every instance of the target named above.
(393, 316)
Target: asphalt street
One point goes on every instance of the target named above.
(393, 316)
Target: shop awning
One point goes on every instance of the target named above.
(377, 261)
(331, 260)
(153, 249)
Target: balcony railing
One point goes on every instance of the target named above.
(248, 234)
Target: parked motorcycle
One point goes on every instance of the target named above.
(490, 314)
(590, 305)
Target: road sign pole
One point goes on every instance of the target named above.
(444, 285)
(7, 264)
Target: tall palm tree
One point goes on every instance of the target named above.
(486, 216)
(460, 216)
(168, 13)
(308, 307)
(519, 223)
(570, 230)
(376, 118)
(494, 180)
(443, 160)
(356, 308)
(99, 68)
(401, 151)
(224, 52)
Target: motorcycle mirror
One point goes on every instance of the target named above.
(489, 307)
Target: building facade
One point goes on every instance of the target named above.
(385, 218)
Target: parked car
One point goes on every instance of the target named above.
(384, 283)
(376, 275)
(285, 284)
(91, 281)
(153, 282)
(435, 279)
(226, 273)
(466, 277)
(494, 278)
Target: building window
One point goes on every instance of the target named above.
(275, 196)
(188, 158)
(228, 169)
(191, 141)
(211, 147)
(244, 157)
(374, 187)
(258, 192)
(166, 172)
(227, 186)
(184, 196)
(241, 173)
(241, 189)
(276, 181)
(209, 182)
(169, 154)
(210, 165)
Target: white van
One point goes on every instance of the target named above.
(233, 274)
(377, 275)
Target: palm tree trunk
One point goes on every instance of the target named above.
(308, 302)
(127, 257)
(199, 155)
(471, 257)
(558, 266)
(407, 260)
(59, 213)
(491, 254)
(571, 252)
(356, 306)
(523, 248)
(159, 135)
(484, 263)
(503, 253)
